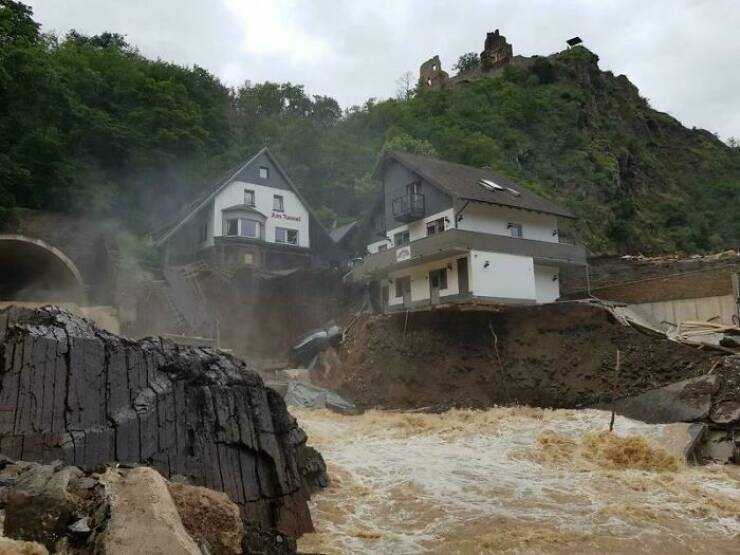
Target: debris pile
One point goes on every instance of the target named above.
(74, 393)
(719, 336)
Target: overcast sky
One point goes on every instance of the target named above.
(684, 55)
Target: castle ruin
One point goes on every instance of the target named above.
(497, 54)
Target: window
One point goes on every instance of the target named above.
(414, 188)
(232, 227)
(248, 197)
(437, 226)
(443, 278)
(204, 232)
(264, 172)
(403, 285)
(516, 230)
(249, 228)
(401, 238)
(278, 203)
(284, 235)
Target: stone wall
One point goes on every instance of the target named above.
(635, 280)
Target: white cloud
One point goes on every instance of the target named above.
(269, 28)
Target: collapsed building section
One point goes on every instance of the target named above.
(72, 392)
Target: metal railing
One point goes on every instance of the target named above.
(408, 206)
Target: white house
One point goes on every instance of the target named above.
(254, 217)
(449, 233)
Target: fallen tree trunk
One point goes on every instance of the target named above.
(72, 392)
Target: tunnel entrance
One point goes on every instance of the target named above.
(31, 270)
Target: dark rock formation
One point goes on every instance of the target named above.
(72, 392)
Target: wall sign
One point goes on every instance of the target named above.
(283, 216)
(403, 253)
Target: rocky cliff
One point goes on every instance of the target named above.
(72, 392)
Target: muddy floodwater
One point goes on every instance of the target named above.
(514, 480)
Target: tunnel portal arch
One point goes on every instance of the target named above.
(35, 271)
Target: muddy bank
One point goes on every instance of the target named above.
(514, 480)
(72, 392)
(557, 355)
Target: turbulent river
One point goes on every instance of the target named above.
(514, 480)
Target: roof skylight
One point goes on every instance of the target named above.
(490, 185)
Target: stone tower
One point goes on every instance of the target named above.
(496, 52)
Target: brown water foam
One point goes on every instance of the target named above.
(513, 480)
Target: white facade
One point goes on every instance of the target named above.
(294, 215)
(502, 276)
(419, 276)
(497, 276)
(496, 220)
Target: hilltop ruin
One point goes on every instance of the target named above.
(496, 55)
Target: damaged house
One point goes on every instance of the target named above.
(448, 233)
(254, 217)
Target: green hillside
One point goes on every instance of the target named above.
(89, 125)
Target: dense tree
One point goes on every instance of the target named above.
(466, 62)
(88, 124)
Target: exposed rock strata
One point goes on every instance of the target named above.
(72, 392)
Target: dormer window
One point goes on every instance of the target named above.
(248, 197)
(264, 172)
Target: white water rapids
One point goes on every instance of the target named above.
(513, 480)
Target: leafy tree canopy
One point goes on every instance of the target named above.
(88, 124)
(466, 62)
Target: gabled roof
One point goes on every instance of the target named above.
(208, 194)
(463, 182)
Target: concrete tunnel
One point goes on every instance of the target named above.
(31, 270)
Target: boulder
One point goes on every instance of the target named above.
(300, 394)
(210, 517)
(72, 392)
(17, 547)
(143, 516)
(40, 503)
(726, 412)
(685, 401)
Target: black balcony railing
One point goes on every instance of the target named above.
(408, 207)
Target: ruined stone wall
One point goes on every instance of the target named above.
(497, 53)
(431, 75)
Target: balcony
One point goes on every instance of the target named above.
(408, 207)
(458, 242)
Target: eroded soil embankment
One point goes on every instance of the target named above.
(558, 355)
